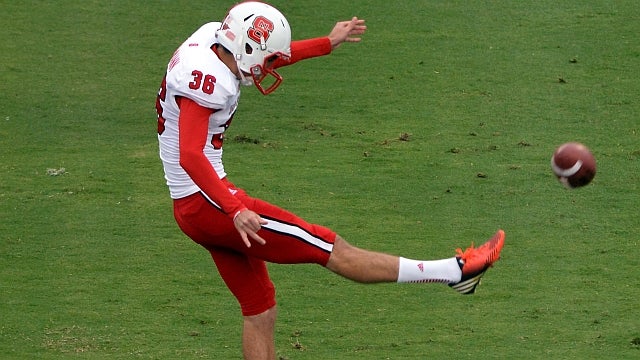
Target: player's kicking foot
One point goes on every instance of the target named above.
(474, 262)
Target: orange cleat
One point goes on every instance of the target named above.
(474, 262)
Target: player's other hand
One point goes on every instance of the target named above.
(248, 223)
(347, 31)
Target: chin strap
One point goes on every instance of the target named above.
(244, 81)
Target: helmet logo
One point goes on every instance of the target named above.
(261, 30)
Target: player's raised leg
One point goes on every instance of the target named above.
(474, 262)
(462, 272)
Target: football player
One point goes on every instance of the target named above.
(196, 103)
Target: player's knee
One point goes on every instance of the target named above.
(340, 254)
(268, 315)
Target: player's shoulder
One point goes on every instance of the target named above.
(206, 32)
(197, 47)
(196, 51)
(194, 62)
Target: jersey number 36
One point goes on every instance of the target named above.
(206, 83)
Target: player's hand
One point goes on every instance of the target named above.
(347, 31)
(248, 223)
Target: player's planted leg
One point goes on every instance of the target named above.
(258, 336)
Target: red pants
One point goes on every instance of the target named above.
(290, 240)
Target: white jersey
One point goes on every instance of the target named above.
(193, 72)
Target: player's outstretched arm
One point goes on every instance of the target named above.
(347, 31)
(343, 31)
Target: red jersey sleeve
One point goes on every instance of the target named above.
(305, 49)
(193, 124)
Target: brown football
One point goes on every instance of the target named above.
(573, 164)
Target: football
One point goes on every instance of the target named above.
(573, 164)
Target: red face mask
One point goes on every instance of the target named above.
(265, 77)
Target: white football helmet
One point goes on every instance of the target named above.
(256, 34)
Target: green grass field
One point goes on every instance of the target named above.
(433, 132)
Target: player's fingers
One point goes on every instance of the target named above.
(358, 24)
(245, 238)
(356, 27)
(355, 22)
(258, 238)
